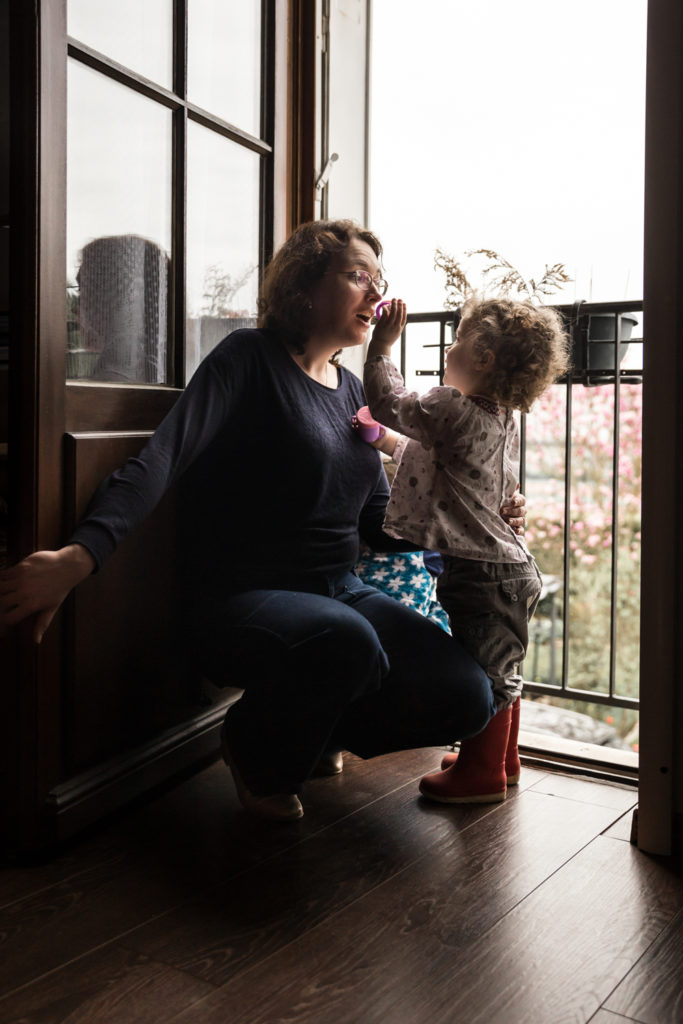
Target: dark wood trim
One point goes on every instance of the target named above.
(180, 48)
(86, 798)
(122, 74)
(267, 179)
(17, 787)
(32, 713)
(177, 299)
(304, 86)
(661, 711)
(97, 406)
(227, 130)
(139, 84)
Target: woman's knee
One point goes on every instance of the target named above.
(345, 654)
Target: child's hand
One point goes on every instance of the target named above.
(389, 326)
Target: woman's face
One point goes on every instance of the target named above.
(341, 308)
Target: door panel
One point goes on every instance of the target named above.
(128, 677)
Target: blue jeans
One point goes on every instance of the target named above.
(348, 669)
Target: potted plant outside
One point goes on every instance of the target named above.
(497, 276)
(591, 333)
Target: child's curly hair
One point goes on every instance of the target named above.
(530, 345)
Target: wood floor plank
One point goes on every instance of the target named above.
(109, 986)
(573, 787)
(241, 923)
(605, 1017)
(165, 853)
(652, 992)
(403, 952)
(621, 829)
(193, 813)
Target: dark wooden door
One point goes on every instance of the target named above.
(148, 188)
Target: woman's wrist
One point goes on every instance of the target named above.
(78, 560)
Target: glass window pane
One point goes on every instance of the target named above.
(137, 35)
(224, 60)
(222, 240)
(118, 230)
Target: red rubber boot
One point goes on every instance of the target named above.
(513, 767)
(478, 775)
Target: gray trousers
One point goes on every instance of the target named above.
(489, 605)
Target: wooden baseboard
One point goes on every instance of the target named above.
(86, 798)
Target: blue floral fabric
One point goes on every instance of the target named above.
(405, 577)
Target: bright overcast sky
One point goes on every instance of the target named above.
(516, 126)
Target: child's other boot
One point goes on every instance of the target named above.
(513, 765)
(478, 776)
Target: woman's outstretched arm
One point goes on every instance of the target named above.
(38, 584)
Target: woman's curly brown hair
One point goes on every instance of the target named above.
(284, 299)
(530, 345)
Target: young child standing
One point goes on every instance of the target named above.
(456, 468)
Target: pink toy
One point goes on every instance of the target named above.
(370, 430)
(378, 310)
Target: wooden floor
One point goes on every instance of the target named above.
(375, 907)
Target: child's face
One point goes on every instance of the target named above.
(466, 369)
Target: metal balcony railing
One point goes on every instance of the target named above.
(584, 637)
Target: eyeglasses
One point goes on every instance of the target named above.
(364, 280)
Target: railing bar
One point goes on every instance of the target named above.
(522, 452)
(615, 506)
(442, 349)
(587, 696)
(567, 533)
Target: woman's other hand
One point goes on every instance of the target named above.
(514, 512)
(38, 585)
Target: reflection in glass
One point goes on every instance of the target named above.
(137, 35)
(118, 231)
(224, 60)
(222, 240)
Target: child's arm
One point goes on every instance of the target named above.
(374, 433)
(388, 328)
(387, 443)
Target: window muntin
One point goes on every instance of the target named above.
(137, 35)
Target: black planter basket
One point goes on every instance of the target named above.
(593, 340)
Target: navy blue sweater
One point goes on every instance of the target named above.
(274, 484)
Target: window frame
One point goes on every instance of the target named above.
(183, 110)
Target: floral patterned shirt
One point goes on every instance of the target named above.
(457, 463)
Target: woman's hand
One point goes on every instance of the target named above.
(388, 328)
(38, 585)
(514, 512)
